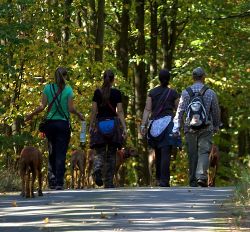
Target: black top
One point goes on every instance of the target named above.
(169, 104)
(106, 111)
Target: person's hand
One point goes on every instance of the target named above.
(176, 133)
(143, 130)
(91, 128)
(124, 133)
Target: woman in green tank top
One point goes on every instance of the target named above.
(59, 98)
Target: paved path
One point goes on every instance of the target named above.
(122, 209)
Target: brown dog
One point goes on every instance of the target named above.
(90, 161)
(151, 163)
(78, 165)
(213, 165)
(30, 162)
(121, 157)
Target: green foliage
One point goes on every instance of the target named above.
(9, 180)
(242, 190)
(213, 34)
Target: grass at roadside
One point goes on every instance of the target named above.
(9, 181)
(240, 220)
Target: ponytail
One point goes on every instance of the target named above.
(60, 75)
(108, 78)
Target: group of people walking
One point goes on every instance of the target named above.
(161, 123)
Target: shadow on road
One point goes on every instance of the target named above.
(137, 209)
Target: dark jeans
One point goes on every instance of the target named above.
(58, 135)
(162, 163)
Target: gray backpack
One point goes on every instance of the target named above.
(196, 115)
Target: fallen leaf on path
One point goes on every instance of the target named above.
(13, 204)
(46, 220)
(103, 216)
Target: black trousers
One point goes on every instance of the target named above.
(162, 163)
(58, 135)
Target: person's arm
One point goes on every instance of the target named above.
(39, 109)
(176, 103)
(73, 110)
(183, 102)
(147, 111)
(120, 114)
(93, 114)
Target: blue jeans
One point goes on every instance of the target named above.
(198, 149)
(58, 135)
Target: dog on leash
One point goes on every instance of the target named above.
(89, 166)
(78, 165)
(121, 157)
(30, 163)
(213, 165)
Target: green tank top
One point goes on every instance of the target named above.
(57, 112)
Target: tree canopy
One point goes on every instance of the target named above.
(135, 39)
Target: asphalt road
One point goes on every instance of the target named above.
(121, 209)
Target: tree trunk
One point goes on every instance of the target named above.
(243, 143)
(140, 89)
(153, 38)
(67, 15)
(169, 34)
(225, 137)
(122, 48)
(100, 31)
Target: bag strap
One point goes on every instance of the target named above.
(190, 91)
(203, 90)
(58, 105)
(54, 98)
(161, 102)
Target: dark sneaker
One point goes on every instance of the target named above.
(193, 183)
(163, 184)
(202, 183)
(98, 178)
(109, 186)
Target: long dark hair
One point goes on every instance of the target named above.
(108, 78)
(60, 76)
(164, 77)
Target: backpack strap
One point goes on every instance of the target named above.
(203, 90)
(190, 91)
(161, 102)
